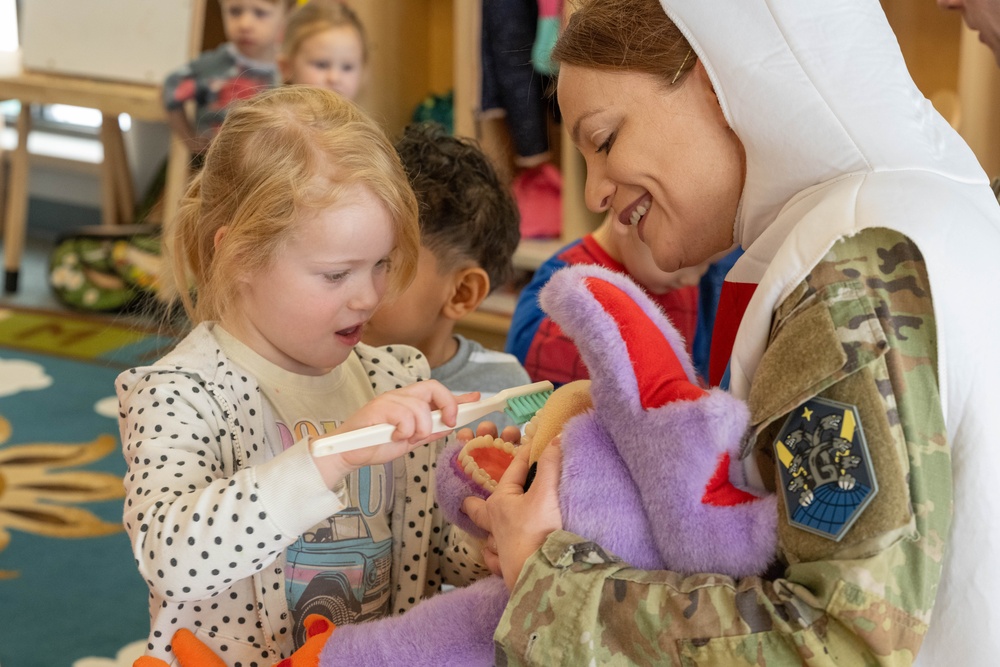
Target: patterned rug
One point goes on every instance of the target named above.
(70, 595)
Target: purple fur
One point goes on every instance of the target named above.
(598, 498)
(452, 486)
(568, 301)
(454, 628)
(671, 451)
(672, 454)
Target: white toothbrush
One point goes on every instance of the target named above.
(520, 403)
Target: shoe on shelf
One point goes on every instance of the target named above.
(538, 191)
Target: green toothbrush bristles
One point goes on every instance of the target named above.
(522, 408)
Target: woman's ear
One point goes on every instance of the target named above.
(471, 286)
(704, 83)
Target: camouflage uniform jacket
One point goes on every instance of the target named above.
(859, 329)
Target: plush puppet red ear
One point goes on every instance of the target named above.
(657, 369)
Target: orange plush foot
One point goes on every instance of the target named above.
(147, 661)
(191, 652)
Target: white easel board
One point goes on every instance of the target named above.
(138, 41)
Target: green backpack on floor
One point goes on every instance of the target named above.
(105, 268)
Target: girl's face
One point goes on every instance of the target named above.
(662, 158)
(332, 59)
(305, 312)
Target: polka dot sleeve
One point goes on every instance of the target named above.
(194, 511)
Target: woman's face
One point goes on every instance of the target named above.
(662, 158)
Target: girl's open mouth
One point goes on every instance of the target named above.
(350, 335)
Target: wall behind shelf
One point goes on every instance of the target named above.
(411, 56)
(954, 70)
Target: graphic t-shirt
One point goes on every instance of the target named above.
(340, 568)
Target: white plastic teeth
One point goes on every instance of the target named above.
(530, 428)
(640, 210)
(472, 469)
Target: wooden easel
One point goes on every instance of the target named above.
(142, 102)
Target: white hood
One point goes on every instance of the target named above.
(820, 90)
(838, 139)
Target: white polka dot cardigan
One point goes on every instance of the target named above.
(212, 501)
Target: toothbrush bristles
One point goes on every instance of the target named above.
(522, 408)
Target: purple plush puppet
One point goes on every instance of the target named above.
(647, 461)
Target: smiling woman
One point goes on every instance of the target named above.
(794, 130)
(679, 183)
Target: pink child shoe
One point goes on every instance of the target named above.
(538, 191)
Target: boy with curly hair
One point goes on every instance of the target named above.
(468, 234)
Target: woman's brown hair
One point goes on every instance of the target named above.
(625, 35)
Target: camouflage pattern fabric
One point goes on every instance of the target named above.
(860, 329)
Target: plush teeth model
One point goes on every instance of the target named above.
(484, 460)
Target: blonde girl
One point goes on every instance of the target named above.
(298, 225)
(325, 45)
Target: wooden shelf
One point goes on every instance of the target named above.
(491, 321)
(490, 329)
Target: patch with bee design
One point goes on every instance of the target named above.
(825, 468)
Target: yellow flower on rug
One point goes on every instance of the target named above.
(36, 490)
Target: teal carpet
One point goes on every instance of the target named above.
(70, 595)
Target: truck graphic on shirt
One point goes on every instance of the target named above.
(338, 569)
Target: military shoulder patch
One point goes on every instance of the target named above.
(826, 471)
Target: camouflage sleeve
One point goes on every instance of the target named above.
(858, 330)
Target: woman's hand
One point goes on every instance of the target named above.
(409, 410)
(517, 521)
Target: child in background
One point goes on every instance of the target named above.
(538, 342)
(238, 69)
(298, 224)
(325, 46)
(468, 234)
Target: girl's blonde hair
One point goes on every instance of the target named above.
(277, 157)
(318, 16)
